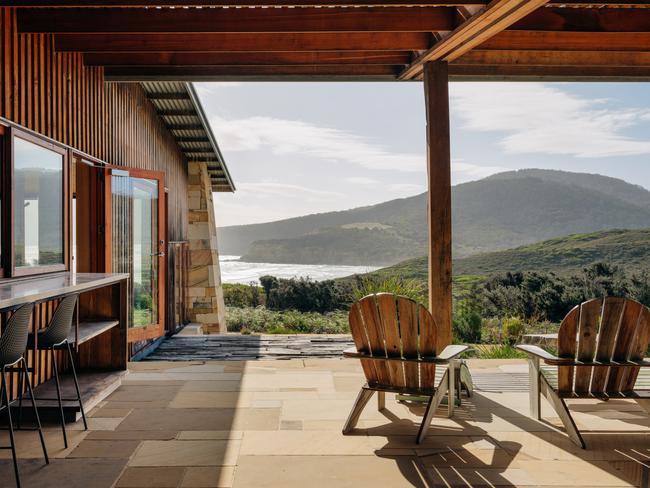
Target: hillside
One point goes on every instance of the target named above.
(500, 212)
(629, 249)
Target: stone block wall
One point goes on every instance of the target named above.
(205, 294)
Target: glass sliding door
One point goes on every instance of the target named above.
(137, 246)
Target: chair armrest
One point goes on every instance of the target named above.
(538, 352)
(452, 351)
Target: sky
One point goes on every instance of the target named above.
(300, 148)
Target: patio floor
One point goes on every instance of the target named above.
(278, 424)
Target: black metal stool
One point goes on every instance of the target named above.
(55, 337)
(13, 342)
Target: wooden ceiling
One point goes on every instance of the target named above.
(348, 39)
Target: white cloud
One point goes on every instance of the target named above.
(462, 171)
(538, 118)
(287, 137)
(407, 189)
(361, 180)
(272, 189)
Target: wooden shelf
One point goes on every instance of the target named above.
(88, 330)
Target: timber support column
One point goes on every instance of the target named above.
(205, 293)
(436, 95)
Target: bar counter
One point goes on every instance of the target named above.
(15, 292)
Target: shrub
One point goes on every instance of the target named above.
(239, 295)
(513, 329)
(499, 351)
(262, 321)
(306, 295)
(467, 328)
(389, 284)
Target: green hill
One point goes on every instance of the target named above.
(629, 249)
(500, 212)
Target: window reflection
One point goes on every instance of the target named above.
(38, 205)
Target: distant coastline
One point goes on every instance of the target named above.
(235, 271)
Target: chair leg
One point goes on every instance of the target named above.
(21, 392)
(559, 405)
(38, 419)
(432, 406)
(381, 400)
(5, 399)
(76, 385)
(362, 400)
(55, 368)
(534, 379)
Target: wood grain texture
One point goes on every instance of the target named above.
(609, 327)
(567, 342)
(436, 93)
(587, 333)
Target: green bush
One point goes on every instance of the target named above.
(239, 295)
(306, 295)
(261, 320)
(513, 329)
(467, 328)
(498, 351)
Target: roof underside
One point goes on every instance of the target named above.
(179, 107)
(349, 39)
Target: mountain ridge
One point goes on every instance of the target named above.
(502, 211)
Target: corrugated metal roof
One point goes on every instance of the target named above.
(179, 107)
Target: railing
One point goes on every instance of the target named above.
(177, 272)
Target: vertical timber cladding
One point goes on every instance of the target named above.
(55, 95)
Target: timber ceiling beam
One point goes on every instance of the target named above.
(247, 58)
(394, 19)
(568, 41)
(243, 42)
(547, 73)
(496, 17)
(296, 3)
(252, 73)
(586, 20)
(555, 58)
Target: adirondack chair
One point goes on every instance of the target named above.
(601, 346)
(395, 339)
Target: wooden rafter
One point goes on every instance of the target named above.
(496, 17)
(286, 73)
(297, 3)
(555, 58)
(378, 19)
(586, 20)
(247, 58)
(242, 42)
(568, 41)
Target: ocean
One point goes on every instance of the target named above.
(235, 271)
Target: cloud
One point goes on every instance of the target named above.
(462, 171)
(288, 137)
(538, 118)
(361, 180)
(273, 189)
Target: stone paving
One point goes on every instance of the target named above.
(278, 424)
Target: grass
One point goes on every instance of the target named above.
(497, 351)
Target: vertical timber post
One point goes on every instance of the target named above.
(436, 96)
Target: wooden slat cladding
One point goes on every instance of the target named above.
(57, 96)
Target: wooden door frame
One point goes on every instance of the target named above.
(157, 330)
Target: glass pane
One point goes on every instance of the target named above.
(135, 243)
(145, 252)
(38, 205)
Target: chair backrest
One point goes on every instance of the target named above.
(13, 340)
(59, 327)
(603, 330)
(387, 325)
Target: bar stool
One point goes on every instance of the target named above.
(55, 337)
(13, 342)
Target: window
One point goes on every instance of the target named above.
(38, 205)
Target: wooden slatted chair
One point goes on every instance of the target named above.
(395, 339)
(601, 345)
